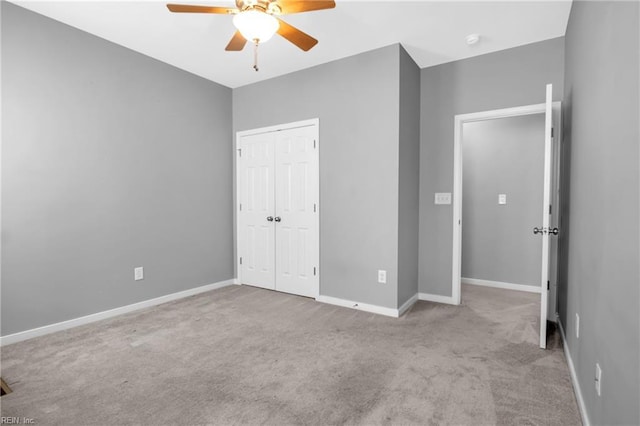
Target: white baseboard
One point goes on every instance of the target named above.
(375, 309)
(408, 304)
(65, 325)
(574, 377)
(498, 284)
(436, 298)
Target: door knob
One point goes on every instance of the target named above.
(545, 231)
(270, 218)
(278, 219)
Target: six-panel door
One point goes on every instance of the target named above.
(296, 239)
(256, 233)
(278, 210)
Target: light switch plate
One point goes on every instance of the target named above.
(138, 273)
(442, 198)
(502, 198)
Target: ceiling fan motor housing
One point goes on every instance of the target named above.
(268, 6)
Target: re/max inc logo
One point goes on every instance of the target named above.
(17, 421)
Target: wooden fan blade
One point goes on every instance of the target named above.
(302, 40)
(297, 6)
(237, 42)
(186, 8)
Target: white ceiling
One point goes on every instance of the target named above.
(433, 32)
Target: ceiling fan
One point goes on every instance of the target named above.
(257, 20)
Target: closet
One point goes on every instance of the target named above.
(278, 209)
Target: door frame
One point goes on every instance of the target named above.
(315, 122)
(459, 121)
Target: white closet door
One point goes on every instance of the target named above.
(255, 219)
(297, 211)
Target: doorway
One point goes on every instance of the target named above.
(547, 211)
(278, 207)
(501, 191)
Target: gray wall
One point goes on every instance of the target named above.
(409, 179)
(357, 102)
(111, 160)
(503, 79)
(600, 280)
(502, 156)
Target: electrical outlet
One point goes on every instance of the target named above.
(577, 326)
(382, 276)
(138, 273)
(442, 198)
(598, 378)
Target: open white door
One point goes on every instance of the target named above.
(545, 231)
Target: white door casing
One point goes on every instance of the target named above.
(556, 154)
(552, 142)
(293, 215)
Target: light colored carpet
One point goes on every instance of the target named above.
(242, 355)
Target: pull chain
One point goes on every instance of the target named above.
(255, 55)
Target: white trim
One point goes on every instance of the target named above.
(498, 284)
(552, 311)
(408, 304)
(277, 127)
(374, 309)
(456, 260)
(504, 112)
(88, 319)
(449, 300)
(459, 121)
(574, 376)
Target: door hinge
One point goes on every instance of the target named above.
(314, 144)
(241, 260)
(239, 152)
(549, 208)
(552, 132)
(547, 285)
(314, 271)
(314, 207)
(240, 206)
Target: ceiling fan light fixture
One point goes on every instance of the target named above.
(255, 25)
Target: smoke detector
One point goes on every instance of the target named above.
(472, 39)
